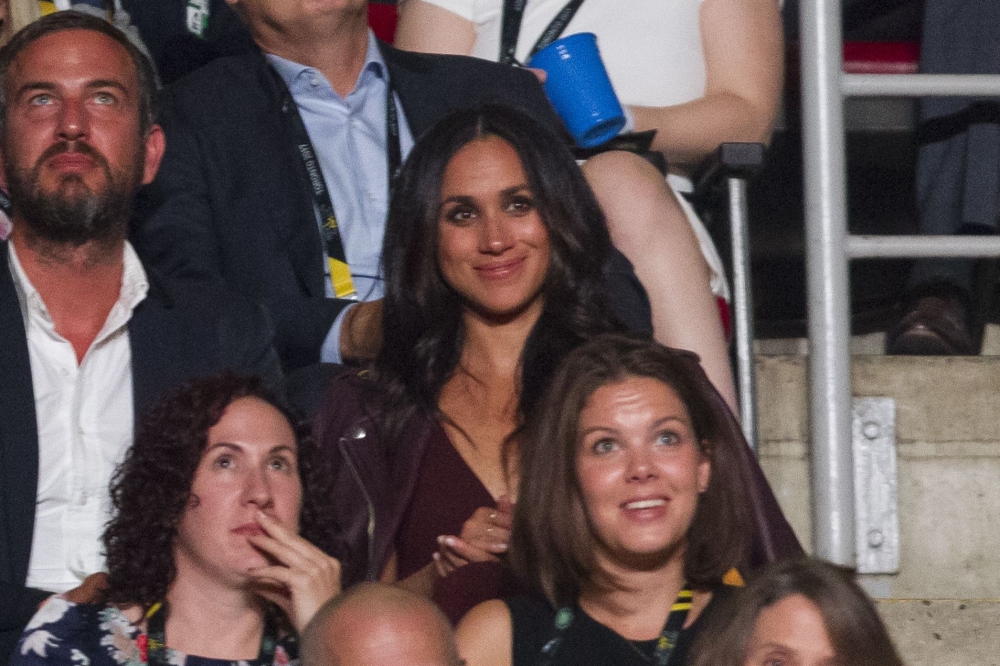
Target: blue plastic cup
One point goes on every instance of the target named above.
(580, 90)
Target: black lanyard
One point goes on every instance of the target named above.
(156, 631)
(665, 643)
(340, 274)
(510, 30)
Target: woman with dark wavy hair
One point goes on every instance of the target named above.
(805, 612)
(494, 259)
(216, 551)
(638, 499)
(495, 254)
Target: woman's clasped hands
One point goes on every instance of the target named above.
(485, 536)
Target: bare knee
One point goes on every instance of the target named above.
(637, 202)
(611, 171)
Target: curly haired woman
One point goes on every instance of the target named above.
(216, 551)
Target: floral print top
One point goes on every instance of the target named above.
(63, 633)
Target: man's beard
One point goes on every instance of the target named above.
(71, 213)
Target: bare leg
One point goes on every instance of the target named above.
(649, 227)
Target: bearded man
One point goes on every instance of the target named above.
(89, 339)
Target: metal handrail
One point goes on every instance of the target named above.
(911, 247)
(920, 85)
(829, 249)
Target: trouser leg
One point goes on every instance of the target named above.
(958, 166)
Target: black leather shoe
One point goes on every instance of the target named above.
(937, 321)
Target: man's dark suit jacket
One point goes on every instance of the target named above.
(232, 202)
(173, 339)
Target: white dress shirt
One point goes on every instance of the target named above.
(85, 425)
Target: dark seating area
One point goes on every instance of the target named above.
(880, 37)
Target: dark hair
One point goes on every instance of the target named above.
(552, 547)
(857, 635)
(152, 488)
(74, 20)
(422, 330)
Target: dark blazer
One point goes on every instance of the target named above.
(173, 337)
(163, 28)
(232, 202)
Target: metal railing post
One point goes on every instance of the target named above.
(831, 456)
(746, 375)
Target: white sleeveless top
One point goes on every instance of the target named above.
(652, 48)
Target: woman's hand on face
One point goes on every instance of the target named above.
(485, 536)
(303, 578)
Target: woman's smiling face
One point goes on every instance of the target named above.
(640, 469)
(493, 246)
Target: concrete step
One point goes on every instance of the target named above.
(870, 344)
(932, 632)
(948, 450)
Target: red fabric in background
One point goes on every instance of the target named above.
(726, 315)
(382, 19)
(881, 57)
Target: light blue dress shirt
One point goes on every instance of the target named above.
(349, 136)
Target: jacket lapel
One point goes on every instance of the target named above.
(297, 225)
(412, 77)
(147, 364)
(18, 435)
(163, 347)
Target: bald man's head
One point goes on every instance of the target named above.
(374, 625)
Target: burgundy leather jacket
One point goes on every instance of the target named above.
(373, 479)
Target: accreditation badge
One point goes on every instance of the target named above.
(197, 17)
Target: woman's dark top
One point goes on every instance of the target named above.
(587, 642)
(66, 634)
(447, 493)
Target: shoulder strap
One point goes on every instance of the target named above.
(510, 28)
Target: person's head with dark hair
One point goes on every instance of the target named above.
(77, 133)
(803, 611)
(632, 461)
(491, 220)
(218, 473)
(374, 624)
